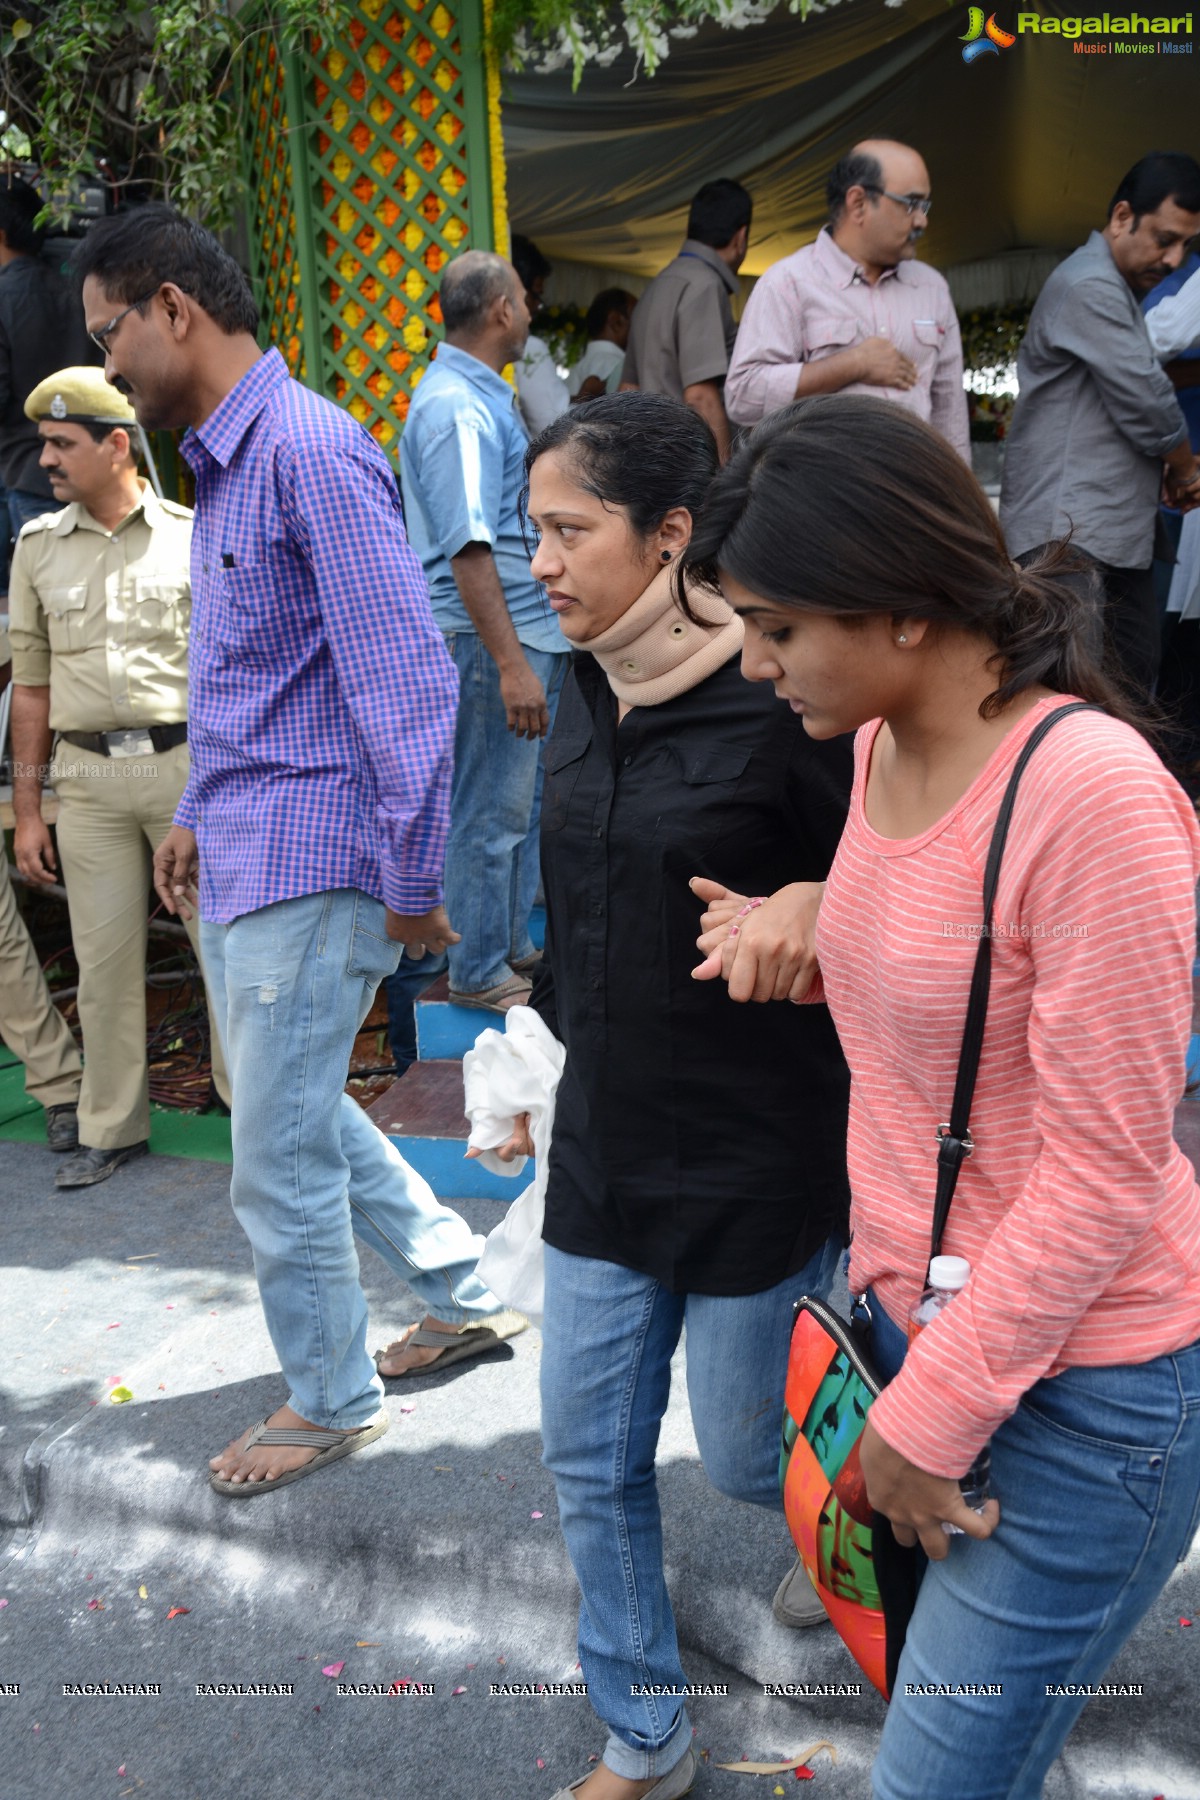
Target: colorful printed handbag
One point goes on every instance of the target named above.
(866, 1581)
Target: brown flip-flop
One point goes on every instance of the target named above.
(472, 1340)
(331, 1445)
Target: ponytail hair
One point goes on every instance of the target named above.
(852, 506)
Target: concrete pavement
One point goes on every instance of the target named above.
(418, 1560)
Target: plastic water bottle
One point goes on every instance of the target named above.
(948, 1275)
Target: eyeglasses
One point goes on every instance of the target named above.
(911, 203)
(100, 338)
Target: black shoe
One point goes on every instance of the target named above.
(87, 1166)
(62, 1127)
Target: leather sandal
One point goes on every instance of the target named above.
(514, 990)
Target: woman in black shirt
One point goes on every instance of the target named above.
(697, 1172)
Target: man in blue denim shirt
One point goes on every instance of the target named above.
(461, 461)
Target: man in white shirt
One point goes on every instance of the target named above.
(598, 370)
(541, 391)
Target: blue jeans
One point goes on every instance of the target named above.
(17, 507)
(608, 1337)
(294, 982)
(492, 857)
(492, 852)
(1097, 1474)
(24, 506)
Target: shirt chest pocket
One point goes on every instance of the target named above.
(826, 333)
(704, 808)
(263, 621)
(928, 338)
(562, 764)
(159, 606)
(66, 610)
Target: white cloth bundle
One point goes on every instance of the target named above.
(509, 1072)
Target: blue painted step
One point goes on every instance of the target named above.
(453, 1177)
(422, 1113)
(445, 1030)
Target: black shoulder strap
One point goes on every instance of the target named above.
(955, 1138)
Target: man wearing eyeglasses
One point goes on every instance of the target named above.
(855, 312)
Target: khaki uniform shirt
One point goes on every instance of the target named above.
(682, 330)
(102, 617)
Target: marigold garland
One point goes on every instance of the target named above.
(496, 163)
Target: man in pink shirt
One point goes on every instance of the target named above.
(855, 312)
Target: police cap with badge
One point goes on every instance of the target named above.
(79, 397)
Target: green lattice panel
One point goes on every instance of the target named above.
(269, 181)
(390, 183)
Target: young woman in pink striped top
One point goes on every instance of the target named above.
(879, 597)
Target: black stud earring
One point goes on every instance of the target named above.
(666, 555)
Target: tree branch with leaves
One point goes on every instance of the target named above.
(142, 98)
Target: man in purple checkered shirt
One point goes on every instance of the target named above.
(321, 726)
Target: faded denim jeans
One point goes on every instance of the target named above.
(295, 981)
(492, 856)
(608, 1336)
(492, 853)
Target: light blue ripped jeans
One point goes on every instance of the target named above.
(294, 982)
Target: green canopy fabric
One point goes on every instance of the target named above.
(1024, 147)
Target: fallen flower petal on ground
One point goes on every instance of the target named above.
(333, 1670)
(177, 1612)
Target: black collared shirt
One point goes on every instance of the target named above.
(696, 1140)
(41, 331)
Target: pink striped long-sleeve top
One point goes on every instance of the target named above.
(1078, 1213)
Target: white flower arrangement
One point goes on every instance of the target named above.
(598, 34)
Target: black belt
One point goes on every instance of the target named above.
(125, 743)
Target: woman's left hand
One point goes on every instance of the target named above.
(763, 948)
(917, 1502)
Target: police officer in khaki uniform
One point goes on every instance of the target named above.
(30, 1023)
(99, 600)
